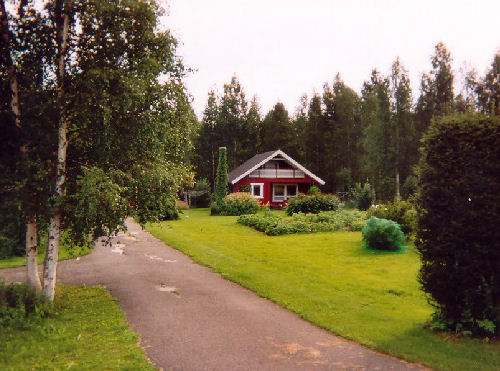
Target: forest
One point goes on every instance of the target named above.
(344, 137)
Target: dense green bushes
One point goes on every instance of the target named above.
(326, 221)
(18, 302)
(238, 203)
(313, 203)
(458, 235)
(362, 196)
(402, 212)
(383, 234)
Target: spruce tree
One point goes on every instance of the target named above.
(221, 180)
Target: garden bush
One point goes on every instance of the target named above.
(383, 234)
(238, 203)
(362, 196)
(458, 236)
(313, 203)
(19, 302)
(326, 221)
(401, 212)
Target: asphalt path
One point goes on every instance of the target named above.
(190, 318)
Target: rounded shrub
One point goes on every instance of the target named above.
(313, 203)
(383, 234)
(238, 203)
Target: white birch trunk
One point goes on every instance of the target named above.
(32, 254)
(62, 11)
(31, 226)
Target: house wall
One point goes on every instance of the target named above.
(303, 186)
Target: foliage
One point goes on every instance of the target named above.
(458, 235)
(383, 234)
(312, 203)
(19, 304)
(245, 188)
(238, 203)
(325, 221)
(88, 330)
(200, 195)
(313, 190)
(410, 186)
(221, 180)
(330, 280)
(362, 196)
(401, 212)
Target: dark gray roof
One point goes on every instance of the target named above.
(249, 164)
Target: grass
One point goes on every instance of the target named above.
(65, 252)
(332, 281)
(88, 332)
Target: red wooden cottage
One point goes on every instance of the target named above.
(273, 177)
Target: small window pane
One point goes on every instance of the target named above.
(279, 190)
(291, 190)
(256, 190)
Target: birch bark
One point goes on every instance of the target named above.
(31, 225)
(62, 15)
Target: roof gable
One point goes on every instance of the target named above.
(260, 159)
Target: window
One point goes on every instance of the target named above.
(257, 190)
(283, 192)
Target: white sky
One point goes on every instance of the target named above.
(281, 49)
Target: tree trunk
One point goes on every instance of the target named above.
(31, 226)
(62, 15)
(32, 254)
(398, 194)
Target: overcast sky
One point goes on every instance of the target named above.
(281, 49)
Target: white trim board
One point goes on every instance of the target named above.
(286, 157)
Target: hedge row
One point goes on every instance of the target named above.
(327, 221)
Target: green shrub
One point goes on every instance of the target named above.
(458, 236)
(326, 221)
(410, 186)
(238, 203)
(362, 196)
(313, 203)
(221, 176)
(401, 212)
(19, 302)
(383, 234)
(313, 190)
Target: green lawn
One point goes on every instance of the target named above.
(64, 254)
(332, 281)
(89, 332)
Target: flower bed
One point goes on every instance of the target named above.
(326, 221)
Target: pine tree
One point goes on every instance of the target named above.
(276, 129)
(488, 89)
(437, 97)
(379, 138)
(221, 181)
(405, 141)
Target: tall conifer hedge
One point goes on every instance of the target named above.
(221, 177)
(459, 225)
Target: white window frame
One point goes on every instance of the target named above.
(285, 196)
(261, 185)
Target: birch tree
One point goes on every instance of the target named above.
(31, 241)
(63, 15)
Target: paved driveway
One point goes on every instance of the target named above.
(190, 318)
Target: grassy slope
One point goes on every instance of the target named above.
(89, 332)
(330, 280)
